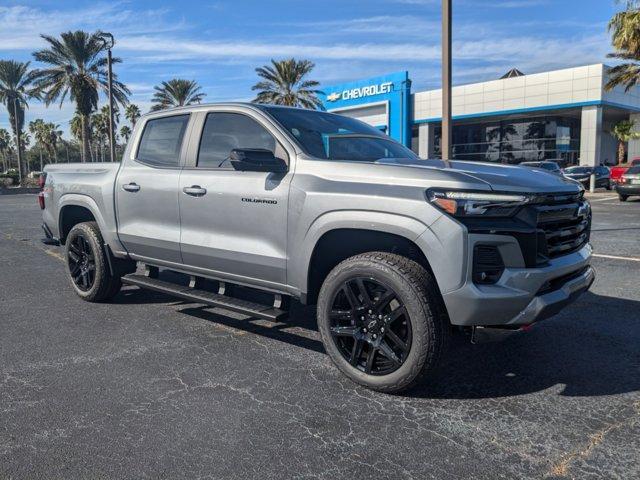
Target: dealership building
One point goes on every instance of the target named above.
(564, 115)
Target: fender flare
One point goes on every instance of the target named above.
(384, 222)
(85, 201)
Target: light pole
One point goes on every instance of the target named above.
(445, 139)
(17, 127)
(109, 42)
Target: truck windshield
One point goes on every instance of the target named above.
(334, 137)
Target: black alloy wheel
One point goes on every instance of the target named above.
(370, 326)
(82, 263)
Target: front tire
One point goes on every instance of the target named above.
(87, 264)
(382, 321)
(623, 198)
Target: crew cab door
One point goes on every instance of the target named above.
(146, 191)
(234, 223)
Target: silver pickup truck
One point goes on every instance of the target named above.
(397, 252)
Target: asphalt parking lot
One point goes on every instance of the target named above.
(151, 387)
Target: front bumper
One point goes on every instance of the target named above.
(522, 295)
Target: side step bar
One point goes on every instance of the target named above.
(195, 295)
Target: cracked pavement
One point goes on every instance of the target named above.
(151, 387)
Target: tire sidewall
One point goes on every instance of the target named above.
(418, 317)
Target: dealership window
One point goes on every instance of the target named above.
(415, 137)
(516, 140)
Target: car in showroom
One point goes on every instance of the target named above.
(582, 175)
(629, 184)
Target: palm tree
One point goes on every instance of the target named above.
(125, 132)
(623, 132)
(38, 130)
(625, 38)
(5, 141)
(78, 71)
(54, 135)
(75, 127)
(132, 113)
(284, 84)
(100, 127)
(176, 93)
(104, 111)
(16, 87)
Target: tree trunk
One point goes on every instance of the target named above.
(620, 153)
(86, 153)
(41, 165)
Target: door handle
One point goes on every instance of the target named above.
(195, 190)
(131, 187)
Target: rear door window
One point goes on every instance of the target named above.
(162, 140)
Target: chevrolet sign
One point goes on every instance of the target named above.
(361, 92)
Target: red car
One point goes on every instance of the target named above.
(619, 170)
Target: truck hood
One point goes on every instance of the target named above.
(498, 177)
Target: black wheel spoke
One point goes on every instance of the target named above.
(73, 256)
(388, 352)
(356, 352)
(351, 298)
(85, 279)
(74, 248)
(344, 331)
(384, 300)
(396, 314)
(390, 334)
(364, 294)
(340, 315)
(370, 359)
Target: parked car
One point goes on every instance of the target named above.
(630, 184)
(549, 166)
(582, 175)
(618, 171)
(394, 250)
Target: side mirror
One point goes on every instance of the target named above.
(256, 160)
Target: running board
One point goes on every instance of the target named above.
(267, 312)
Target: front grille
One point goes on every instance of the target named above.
(550, 226)
(566, 228)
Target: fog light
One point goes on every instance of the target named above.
(487, 264)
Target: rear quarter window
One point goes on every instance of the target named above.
(162, 140)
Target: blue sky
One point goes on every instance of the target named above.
(219, 43)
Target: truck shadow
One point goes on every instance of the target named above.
(590, 349)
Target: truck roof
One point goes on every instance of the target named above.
(197, 106)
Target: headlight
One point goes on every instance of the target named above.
(477, 204)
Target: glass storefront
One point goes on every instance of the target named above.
(516, 140)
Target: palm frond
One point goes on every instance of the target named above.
(283, 83)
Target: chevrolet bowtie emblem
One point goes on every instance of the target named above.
(333, 96)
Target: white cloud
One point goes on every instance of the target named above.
(33, 22)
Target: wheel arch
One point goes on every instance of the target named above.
(74, 209)
(338, 244)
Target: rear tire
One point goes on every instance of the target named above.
(88, 265)
(623, 198)
(418, 336)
